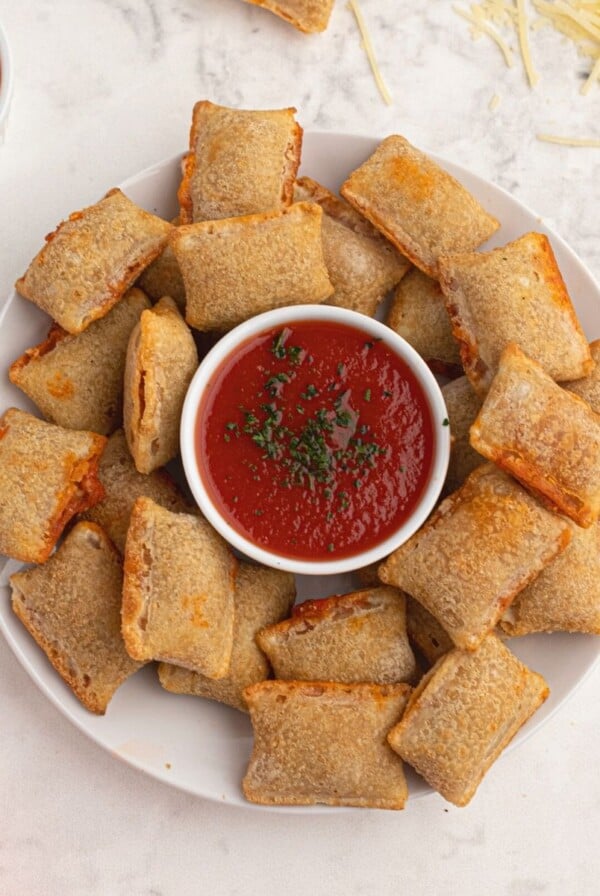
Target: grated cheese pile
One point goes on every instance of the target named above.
(578, 20)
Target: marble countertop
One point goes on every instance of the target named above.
(102, 90)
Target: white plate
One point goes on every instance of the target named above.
(200, 746)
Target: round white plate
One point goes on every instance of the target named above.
(200, 746)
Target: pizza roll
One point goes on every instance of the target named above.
(323, 742)
(417, 205)
(513, 294)
(309, 16)
(425, 632)
(177, 591)
(241, 162)
(91, 260)
(463, 714)
(72, 607)
(565, 597)
(547, 437)
(47, 475)
(463, 405)
(588, 388)
(419, 315)
(362, 265)
(348, 638)
(161, 361)
(163, 277)
(77, 381)
(482, 546)
(122, 485)
(262, 597)
(239, 267)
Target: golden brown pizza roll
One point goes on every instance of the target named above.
(238, 267)
(309, 16)
(425, 632)
(47, 475)
(77, 381)
(347, 638)
(123, 484)
(463, 405)
(513, 294)
(419, 315)
(588, 388)
(320, 742)
(262, 597)
(241, 162)
(161, 361)
(163, 278)
(91, 259)
(362, 265)
(547, 437)
(482, 546)
(463, 714)
(565, 597)
(417, 205)
(178, 587)
(72, 607)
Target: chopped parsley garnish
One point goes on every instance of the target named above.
(445, 422)
(367, 395)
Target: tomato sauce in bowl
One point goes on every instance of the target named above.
(314, 440)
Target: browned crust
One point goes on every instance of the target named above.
(188, 164)
(91, 701)
(113, 290)
(55, 335)
(312, 22)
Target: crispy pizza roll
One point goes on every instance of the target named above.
(417, 205)
(262, 597)
(363, 266)
(238, 267)
(513, 294)
(161, 361)
(241, 162)
(588, 388)
(419, 315)
(463, 404)
(77, 381)
(547, 437)
(482, 546)
(178, 590)
(91, 260)
(425, 632)
(309, 16)
(163, 276)
(347, 638)
(47, 475)
(123, 484)
(565, 597)
(72, 607)
(323, 742)
(464, 713)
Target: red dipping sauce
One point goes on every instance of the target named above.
(315, 441)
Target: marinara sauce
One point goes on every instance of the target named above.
(314, 440)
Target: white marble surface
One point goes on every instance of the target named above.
(104, 88)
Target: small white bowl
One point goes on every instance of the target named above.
(6, 80)
(372, 328)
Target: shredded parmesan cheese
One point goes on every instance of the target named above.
(578, 20)
(494, 103)
(532, 76)
(482, 26)
(569, 141)
(368, 48)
